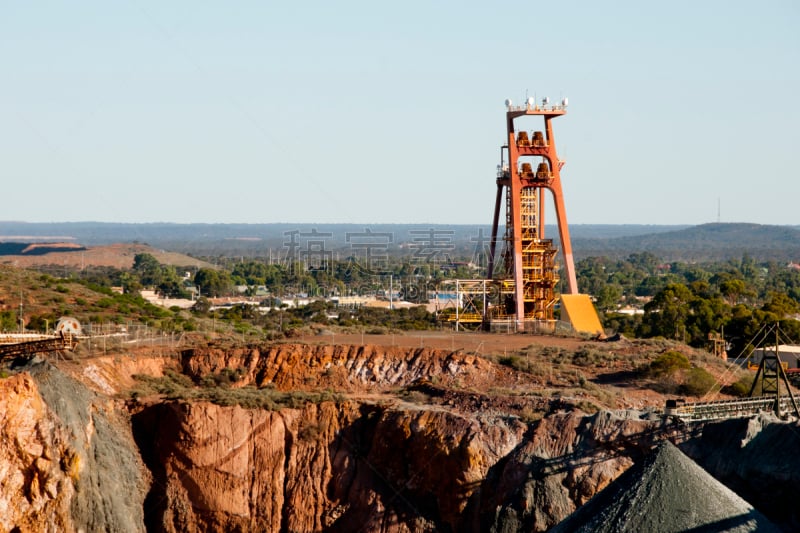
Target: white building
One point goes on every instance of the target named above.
(790, 355)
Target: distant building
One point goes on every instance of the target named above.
(790, 355)
(631, 311)
(153, 297)
(352, 301)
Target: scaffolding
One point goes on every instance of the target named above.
(472, 303)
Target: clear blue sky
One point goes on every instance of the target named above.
(367, 112)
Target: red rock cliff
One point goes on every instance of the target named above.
(376, 462)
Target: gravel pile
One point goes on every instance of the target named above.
(666, 492)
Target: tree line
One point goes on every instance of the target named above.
(676, 300)
(687, 301)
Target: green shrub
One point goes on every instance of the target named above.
(586, 357)
(530, 415)
(587, 407)
(173, 385)
(591, 357)
(511, 361)
(521, 364)
(667, 363)
(698, 382)
(176, 386)
(104, 303)
(225, 377)
(741, 387)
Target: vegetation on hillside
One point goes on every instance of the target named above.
(39, 300)
(686, 302)
(219, 389)
(679, 301)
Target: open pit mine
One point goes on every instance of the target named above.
(314, 437)
(393, 435)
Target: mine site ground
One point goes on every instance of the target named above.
(577, 408)
(460, 377)
(464, 340)
(602, 374)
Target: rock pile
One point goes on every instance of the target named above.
(666, 491)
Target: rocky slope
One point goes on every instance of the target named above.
(412, 440)
(68, 458)
(36, 464)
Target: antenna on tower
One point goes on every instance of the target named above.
(719, 210)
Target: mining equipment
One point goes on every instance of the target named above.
(771, 372)
(21, 347)
(520, 293)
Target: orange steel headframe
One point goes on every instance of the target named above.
(519, 175)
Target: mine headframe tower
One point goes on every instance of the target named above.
(529, 274)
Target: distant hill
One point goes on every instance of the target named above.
(27, 248)
(707, 242)
(612, 231)
(262, 239)
(73, 256)
(95, 233)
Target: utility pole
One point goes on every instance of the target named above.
(21, 318)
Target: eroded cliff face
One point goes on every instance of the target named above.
(326, 466)
(346, 368)
(351, 466)
(36, 464)
(68, 461)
